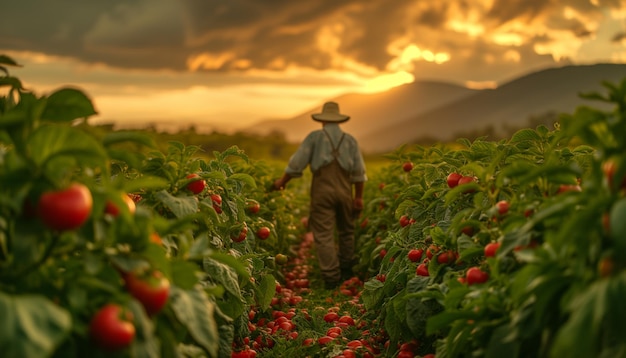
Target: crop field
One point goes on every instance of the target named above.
(514, 248)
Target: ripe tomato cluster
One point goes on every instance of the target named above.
(112, 326)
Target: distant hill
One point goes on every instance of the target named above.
(372, 112)
(440, 111)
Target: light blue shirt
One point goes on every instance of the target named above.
(316, 151)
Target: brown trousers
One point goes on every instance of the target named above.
(332, 209)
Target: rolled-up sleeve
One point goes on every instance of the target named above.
(301, 158)
(357, 174)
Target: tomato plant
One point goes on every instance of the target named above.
(77, 207)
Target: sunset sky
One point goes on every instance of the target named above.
(228, 63)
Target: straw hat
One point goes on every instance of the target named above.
(330, 113)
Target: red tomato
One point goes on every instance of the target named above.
(405, 354)
(415, 255)
(217, 203)
(491, 249)
(453, 179)
(152, 291)
(382, 253)
(197, 186)
(112, 209)
(263, 232)
(476, 275)
(606, 266)
(466, 180)
(381, 277)
(404, 220)
(155, 238)
(347, 320)
(407, 166)
(503, 207)
(111, 328)
(331, 317)
(446, 257)
(253, 206)
(65, 209)
(422, 270)
(241, 236)
(246, 353)
(324, 340)
(431, 251)
(563, 188)
(409, 346)
(334, 332)
(217, 199)
(468, 230)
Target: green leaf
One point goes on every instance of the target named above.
(145, 183)
(184, 274)
(223, 274)
(196, 313)
(14, 116)
(6, 60)
(11, 82)
(50, 142)
(68, 104)
(181, 206)
(525, 135)
(128, 136)
(445, 319)
(233, 263)
(266, 291)
(243, 177)
(499, 346)
(31, 326)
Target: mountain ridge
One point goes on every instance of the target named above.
(439, 110)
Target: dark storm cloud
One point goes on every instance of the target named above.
(223, 35)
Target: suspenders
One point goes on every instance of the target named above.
(335, 149)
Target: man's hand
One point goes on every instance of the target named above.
(278, 185)
(357, 204)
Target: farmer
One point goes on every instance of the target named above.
(336, 191)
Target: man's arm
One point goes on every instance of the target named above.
(358, 196)
(280, 183)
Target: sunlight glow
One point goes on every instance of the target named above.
(481, 85)
(508, 39)
(406, 56)
(387, 81)
(208, 61)
(565, 45)
(470, 28)
(512, 56)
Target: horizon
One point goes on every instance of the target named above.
(227, 66)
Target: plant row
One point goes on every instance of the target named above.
(513, 248)
(106, 251)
